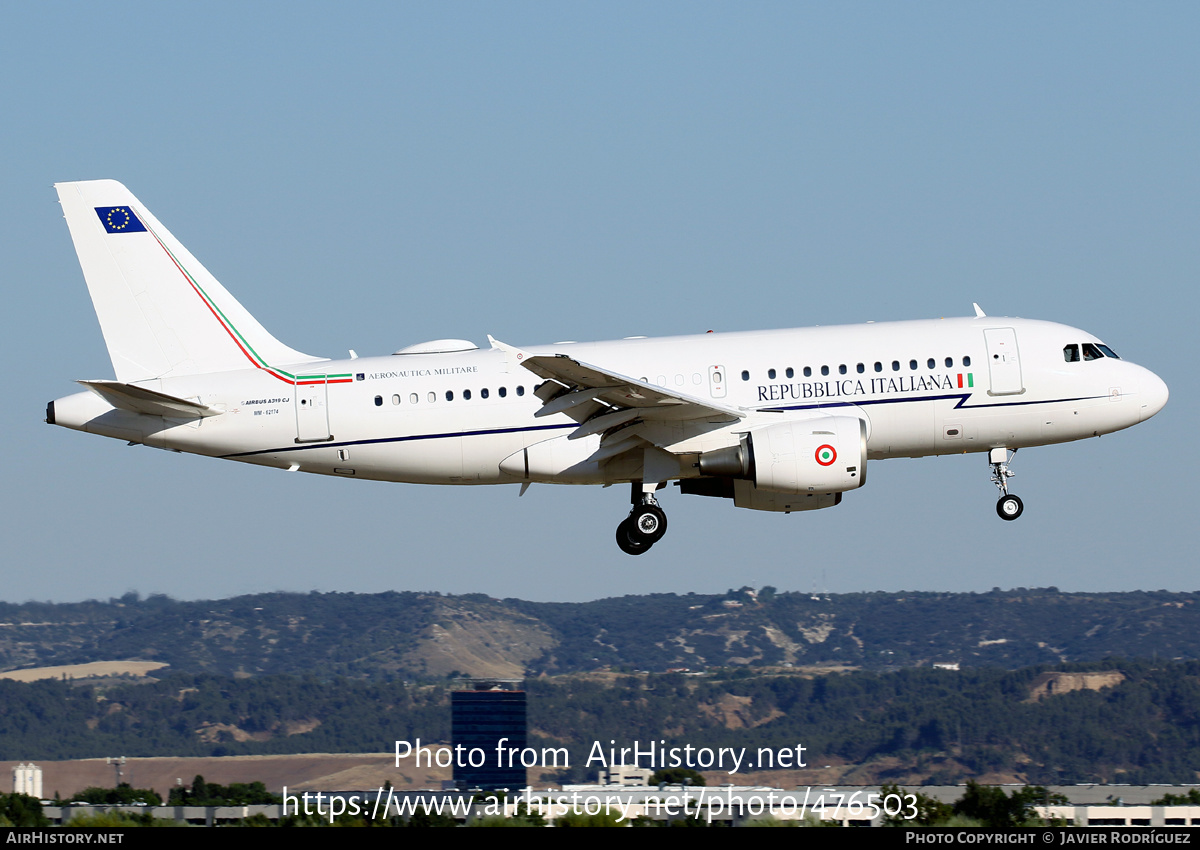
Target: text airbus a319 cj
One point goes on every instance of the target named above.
(782, 420)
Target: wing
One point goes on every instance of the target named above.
(614, 405)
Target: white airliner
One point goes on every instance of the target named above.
(782, 420)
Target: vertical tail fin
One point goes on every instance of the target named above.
(162, 313)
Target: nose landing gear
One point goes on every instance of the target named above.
(645, 525)
(1009, 507)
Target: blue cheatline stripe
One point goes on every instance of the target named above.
(962, 398)
(489, 431)
(414, 437)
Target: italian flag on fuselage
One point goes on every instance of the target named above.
(970, 379)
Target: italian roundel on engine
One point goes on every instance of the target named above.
(826, 455)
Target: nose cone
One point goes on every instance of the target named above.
(1152, 395)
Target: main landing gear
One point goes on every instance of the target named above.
(645, 525)
(1009, 507)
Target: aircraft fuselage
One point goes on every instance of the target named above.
(924, 388)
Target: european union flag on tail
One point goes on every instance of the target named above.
(120, 220)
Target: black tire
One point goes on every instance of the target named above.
(649, 523)
(1009, 507)
(630, 542)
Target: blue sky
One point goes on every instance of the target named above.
(369, 175)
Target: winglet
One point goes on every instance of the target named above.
(520, 355)
(979, 314)
(501, 346)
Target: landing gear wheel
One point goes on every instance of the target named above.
(628, 539)
(1009, 507)
(649, 522)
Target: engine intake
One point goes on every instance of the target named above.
(822, 455)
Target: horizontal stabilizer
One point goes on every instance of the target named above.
(141, 400)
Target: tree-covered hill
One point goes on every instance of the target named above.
(431, 636)
(1118, 721)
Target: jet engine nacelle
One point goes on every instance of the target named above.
(822, 455)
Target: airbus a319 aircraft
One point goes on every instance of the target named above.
(782, 420)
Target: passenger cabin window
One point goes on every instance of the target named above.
(895, 365)
(396, 399)
(379, 401)
(449, 395)
(413, 397)
(808, 371)
(912, 364)
(931, 363)
(466, 395)
(861, 368)
(842, 369)
(520, 391)
(745, 375)
(771, 374)
(824, 370)
(966, 360)
(483, 393)
(1071, 353)
(791, 373)
(949, 362)
(878, 366)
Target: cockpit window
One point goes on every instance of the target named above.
(1071, 353)
(1108, 352)
(1090, 352)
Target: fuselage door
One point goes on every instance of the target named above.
(1004, 363)
(312, 409)
(716, 381)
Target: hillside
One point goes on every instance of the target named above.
(1121, 721)
(430, 636)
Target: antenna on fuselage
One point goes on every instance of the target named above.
(979, 314)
